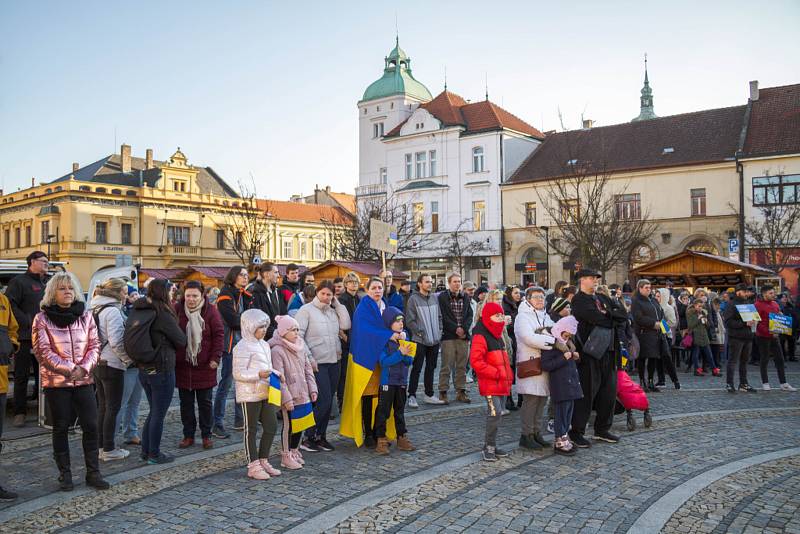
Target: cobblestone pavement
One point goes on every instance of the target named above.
(603, 489)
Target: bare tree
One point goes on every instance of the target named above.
(246, 224)
(350, 242)
(460, 245)
(775, 228)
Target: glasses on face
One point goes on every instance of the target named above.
(537, 296)
(243, 274)
(42, 260)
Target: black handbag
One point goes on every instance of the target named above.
(598, 343)
(6, 347)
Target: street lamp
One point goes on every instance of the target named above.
(546, 230)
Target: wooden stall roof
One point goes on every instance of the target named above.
(698, 269)
(362, 268)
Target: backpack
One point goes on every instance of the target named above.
(96, 317)
(137, 339)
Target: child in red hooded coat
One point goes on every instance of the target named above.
(489, 359)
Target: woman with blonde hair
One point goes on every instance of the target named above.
(65, 343)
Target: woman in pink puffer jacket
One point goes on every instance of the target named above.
(65, 343)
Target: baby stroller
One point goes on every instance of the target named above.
(631, 397)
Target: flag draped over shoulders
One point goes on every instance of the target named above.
(368, 337)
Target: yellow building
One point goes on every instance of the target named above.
(161, 214)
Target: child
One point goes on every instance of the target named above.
(395, 363)
(298, 387)
(565, 386)
(252, 367)
(489, 358)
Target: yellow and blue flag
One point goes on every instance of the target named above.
(274, 390)
(368, 338)
(393, 239)
(302, 417)
(664, 326)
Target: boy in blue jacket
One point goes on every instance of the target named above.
(395, 363)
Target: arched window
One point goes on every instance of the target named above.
(59, 188)
(641, 255)
(130, 193)
(702, 245)
(116, 191)
(100, 190)
(48, 191)
(84, 188)
(477, 159)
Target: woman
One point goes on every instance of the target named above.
(647, 316)
(321, 321)
(697, 319)
(109, 374)
(158, 378)
(548, 301)
(511, 302)
(664, 299)
(196, 364)
(65, 343)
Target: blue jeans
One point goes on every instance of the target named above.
(563, 418)
(706, 354)
(327, 380)
(221, 395)
(128, 416)
(159, 388)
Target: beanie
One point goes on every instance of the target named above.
(565, 324)
(285, 323)
(558, 304)
(390, 316)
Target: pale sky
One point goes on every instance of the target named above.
(270, 88)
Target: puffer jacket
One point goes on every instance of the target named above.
(490, 360)
(8, 321)
(531, 340)
(319, 327)
(251, 355)
(111, 330)
(299, 382)
(60, 350)
(424, 319)
(765, 307)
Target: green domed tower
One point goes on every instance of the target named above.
(397, 79)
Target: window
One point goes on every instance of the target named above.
(569, 210)
(418, 209)
(17, 240)
(377, 129)
(178, 185)
(629, 206)
(530, 214)
(432, 162)
(178, 235)
(220, 239)
(7, 238)
(776, 190)
(422, 164)
(409, 167)
(287, 248)
(383, 175)
(101, 232)
(45, 231)
(303, 250)
(126, 233)
(477, 159)
(319, 250)
(434, 216)
(28, 236)
(478, 215)
(238, 243)
(698, 202)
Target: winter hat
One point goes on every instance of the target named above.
(285, 323)
(490, 309)
(132, 289)
(558, 304)
(565, 324)
(390, 316)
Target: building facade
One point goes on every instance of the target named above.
(442, 161)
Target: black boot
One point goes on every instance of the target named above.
(652, 387)
(519, 400)
(631, 422)
(537, 437)
(93, 477)
(511, 406)
(64, 470)
(648, 419)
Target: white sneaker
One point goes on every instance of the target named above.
(550, 426)
(412, 402)
(504, 412)
(116, 454)
(432, 400)
(787, 387)
(469, 379)
(765, 387)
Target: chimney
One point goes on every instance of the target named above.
(33, 181)
(75, 167)
(125, 160)
(587, 123)
(148, 159)
(754, 90)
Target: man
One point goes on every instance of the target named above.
(767, 340)
(424, 322)
(456, 310)
(338, 286)
(598, 376)
(405, 292)
(469, 289)
(291, 282)
(266, 296)
(740, 339)
(25, 293)
(7, 348)
(349, 299)
(391, 297)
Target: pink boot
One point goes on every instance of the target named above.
(297, 456)
(271, 471)
(288, 461)
(256, 471)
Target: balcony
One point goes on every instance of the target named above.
(182, 250)
(370, 190)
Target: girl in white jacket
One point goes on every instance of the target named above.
(252, 367)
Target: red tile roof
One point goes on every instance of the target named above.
(708, 136)
(296, 211)
(774, 126)
(484, 116)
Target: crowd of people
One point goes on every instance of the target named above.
(285, 348)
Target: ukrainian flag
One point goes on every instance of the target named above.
(274, 390)
(393, 239)
(368, 338)
(302, 417)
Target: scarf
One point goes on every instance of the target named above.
(490, 309)
(63, 317)
(194, 332)
(297, 348)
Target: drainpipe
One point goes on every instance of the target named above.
(502, 225)
(740, 171)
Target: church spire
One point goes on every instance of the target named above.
(646, 111)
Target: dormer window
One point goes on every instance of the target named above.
(668, 150)
(179, 185)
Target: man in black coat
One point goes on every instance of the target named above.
(266, 296)
(456, 309)
(598, 376)
(25, 293)
(740, 339)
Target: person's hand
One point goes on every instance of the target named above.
(657, 325)
(313, 396)
(213, 364)
(77, 373)
(314, 366)
(264, 374)
(750, 323)
(396, 336)
(288, 406)
(460, 332)
(576, 356)
(405, 350)
(342, 336)
(567, 355)
(508, 319)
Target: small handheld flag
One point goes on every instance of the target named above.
(411, 345)
(664, 326)
(274, 396)
(302, 417)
